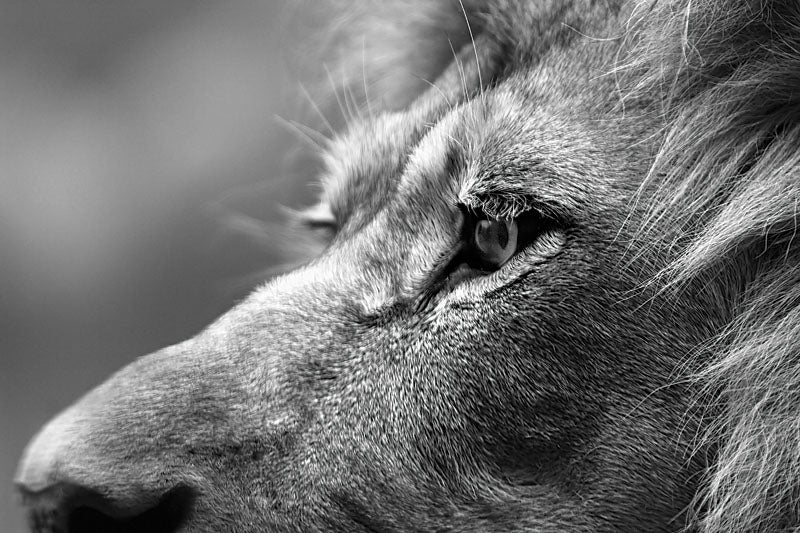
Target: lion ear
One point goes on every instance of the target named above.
(353, 54)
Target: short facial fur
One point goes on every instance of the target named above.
(577, 387)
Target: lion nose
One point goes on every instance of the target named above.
(59, 495)
(69, 508)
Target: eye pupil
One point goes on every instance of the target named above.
(495, 241)
(502, 234)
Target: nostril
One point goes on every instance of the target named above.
(65, 508)
(166, 516)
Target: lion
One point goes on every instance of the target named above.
(557, 288)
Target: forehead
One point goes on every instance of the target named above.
(360, 166)
(532, 131)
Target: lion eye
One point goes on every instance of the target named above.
(488, 243)
(495, 241)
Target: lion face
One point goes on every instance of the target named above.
(474, 350)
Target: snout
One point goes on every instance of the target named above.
(64, 489)
(197, 436)
(136, 453)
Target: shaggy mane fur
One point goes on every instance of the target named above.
(725, 79)
(721, 198)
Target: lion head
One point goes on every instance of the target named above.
(558, 289)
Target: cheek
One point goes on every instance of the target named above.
(550, 353)
(503, 373)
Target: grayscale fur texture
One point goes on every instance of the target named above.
(636, 368)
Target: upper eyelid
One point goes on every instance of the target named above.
(500, 198)
(509, 205)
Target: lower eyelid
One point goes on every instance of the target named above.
(549, 243)
(546, 246)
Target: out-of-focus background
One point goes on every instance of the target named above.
(135, 137)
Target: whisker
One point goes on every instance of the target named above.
(316, 108)
(335, 90)
(364, 75)
(474, 47)
(589, 37)
(430, 83)
(347, 90)
(460, 69)
(305, 133)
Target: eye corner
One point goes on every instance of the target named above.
(319, 219)
(319, 213)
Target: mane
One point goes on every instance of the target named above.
(720, 201)
(724, 79)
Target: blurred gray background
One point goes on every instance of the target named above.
(135, 137)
